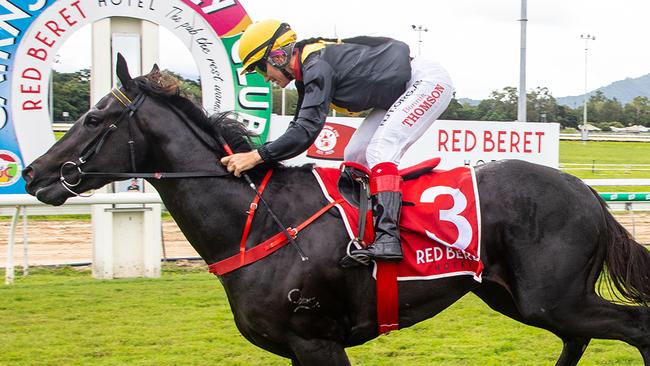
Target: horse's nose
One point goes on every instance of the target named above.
(28, 174)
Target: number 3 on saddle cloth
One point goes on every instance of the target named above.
(439, 223)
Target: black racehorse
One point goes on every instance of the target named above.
(546, 236)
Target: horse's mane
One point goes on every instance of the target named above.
(166, 87)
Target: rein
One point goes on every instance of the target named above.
(131, 107)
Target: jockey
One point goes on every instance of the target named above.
(404, 96)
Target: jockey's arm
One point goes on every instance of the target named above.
(311, 118)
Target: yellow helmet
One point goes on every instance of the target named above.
(260, 38)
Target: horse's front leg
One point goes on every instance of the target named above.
(318, 352)
(572, 350)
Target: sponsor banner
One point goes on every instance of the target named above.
(457, 143)
(331, 142)
(34, 30)
(478, 142)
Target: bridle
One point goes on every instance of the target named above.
(95, 146)
(131, 107)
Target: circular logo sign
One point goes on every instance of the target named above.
(10, 168)
(326, 140)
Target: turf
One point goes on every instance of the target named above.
(64, 317)
(596, 153)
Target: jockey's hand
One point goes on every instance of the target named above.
(241, 162)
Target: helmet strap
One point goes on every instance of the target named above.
(286, 73)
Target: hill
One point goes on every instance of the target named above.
(623, 90)
(472, 102)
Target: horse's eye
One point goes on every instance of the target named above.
(91, 120)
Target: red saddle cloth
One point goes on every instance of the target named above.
(440, 223)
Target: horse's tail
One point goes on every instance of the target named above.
(627, 262)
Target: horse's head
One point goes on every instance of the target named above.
(142, 127)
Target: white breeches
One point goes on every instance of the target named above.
(384, 136)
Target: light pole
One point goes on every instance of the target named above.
(57, 60)
(521, 106)
(419, 29)
(584, 132)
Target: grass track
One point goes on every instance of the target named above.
(63, 317)
(607, 153)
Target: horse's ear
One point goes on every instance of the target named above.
(154, 69)
(122, 70)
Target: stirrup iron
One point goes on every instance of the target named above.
(354, 260)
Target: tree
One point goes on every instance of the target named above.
(501, 106)
(541, 106)
(637, 112)
(457, 111)
(567, 116)
(71, 93)
(291, 99)
(191, 89)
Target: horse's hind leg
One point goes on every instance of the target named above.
(594, 317)
(318, 352)
(500, 299)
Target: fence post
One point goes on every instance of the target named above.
(9, 272)
(25, 243)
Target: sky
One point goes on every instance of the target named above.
(477, 41)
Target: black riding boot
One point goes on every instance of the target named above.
(385, 211)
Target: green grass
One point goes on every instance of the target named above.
(64, 317)
(607, 153)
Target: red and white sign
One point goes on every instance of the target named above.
(473, 143)
(458, 143)
(330, 143)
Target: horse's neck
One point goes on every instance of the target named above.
(206, 210)
(212, 212)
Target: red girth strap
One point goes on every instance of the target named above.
(265, 248)
(387, 297)
(251, 213)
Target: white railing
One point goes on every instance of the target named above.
(606, 137)
(96, 199)
(594, 167)
(617, 182)
(21, 201)
(61, 127)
